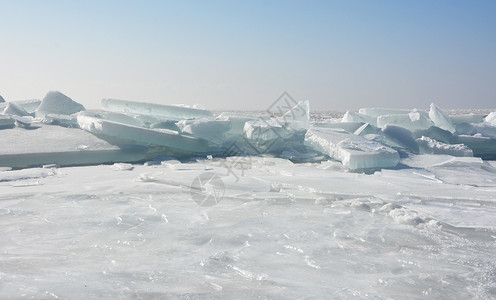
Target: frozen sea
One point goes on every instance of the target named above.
(250, 228)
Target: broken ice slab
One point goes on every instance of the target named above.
(466, 118)
(60, 120)
(440, 118)
(413, 120)
(376, 112)
(430, 146)
(165, 112)
(491, 118)
(47, 144)
(57, 103)
(365, 129)
(208, 129)
(483, 129)
(484, 147)
(402, 137)
(264, 129)
(350, 116)
(125, 134)
(29, 106)
(237, 120)
(6, 122)
(14, 110)
(298, 117)
(354, 152)
(435, 133)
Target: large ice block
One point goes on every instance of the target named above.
(1, 99)
(353, 151)
(124, 134)
(165, 112)
(431, 146)
(440, 118)
(413, 120)
(57, 103)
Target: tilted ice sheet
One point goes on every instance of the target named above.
(167, 112)
(125, 134)
(440, 118)
(46, 144)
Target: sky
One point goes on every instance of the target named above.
(242, 55)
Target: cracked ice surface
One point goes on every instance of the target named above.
(280, 230)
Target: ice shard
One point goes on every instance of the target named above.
(164, 112)
(440, 118)
(298, 117)
(354, 152)
(491, 118)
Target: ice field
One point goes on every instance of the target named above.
(148, 201)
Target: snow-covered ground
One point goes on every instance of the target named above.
(279, 230)
(151, 201)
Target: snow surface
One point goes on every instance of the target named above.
(281, 230)
(154, 201)
(57, 103)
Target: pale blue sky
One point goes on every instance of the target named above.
(243, 55)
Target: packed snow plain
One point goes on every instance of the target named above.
(147, 201)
